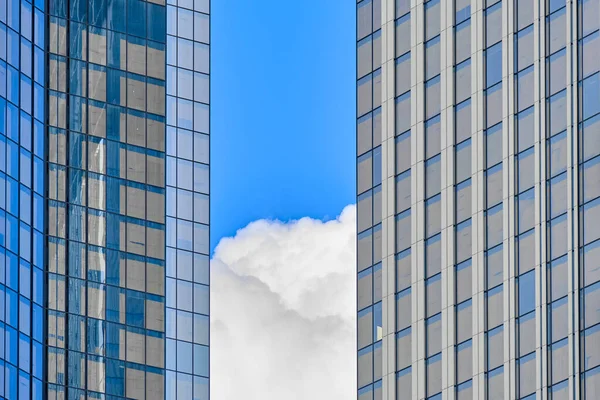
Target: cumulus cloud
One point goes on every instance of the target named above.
(283, 311)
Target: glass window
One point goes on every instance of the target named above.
(434, 374)
(433, 328)
(365, 366)
(556, 110)
(558, 317)
(526, 367)
(589, 47)
(526, 211)
(463, 201)
(403, 231)
(557, 195)
(493, 24)
(463, 121)
(526, 335)
(526, 251)
(559, 357)
(463, 41)
(365, 249)
(365, 56)
(556, 66)
(463, 10)
(403, 113)
(403, 309)
(493, 105)
(433, 176)
(495, 347)
(559, 391)
(589, 142)
(463, 161)
(557, 31)
(590, 352)
(590, 214)
(365, 172)
(591, 383)
(525, 88)
(364, 133)
(404, 383)
(364, 19)
(432, 137)
(403, 191)
(433, 297)
(464, 287)
(494, 225)
(464, 321)
(377, 166)
(588, 15)
(558, 236)
(403, 270)
(526, 290)
(403, 74)
(463, 241)
(432, 58)
(433, 97)
(403, 349)
(494, 266)
(557, 154)
(365, 211)
(377, 47)
(432, 19)
(463, 81)
(590, 96)
(464, 361)
(403, 152)
(495, 384)
(433, 255)
(365, 327)
(591, 271)
(524, 13)
(495, 307)
(403, 34)
(558, 271)
(525, 52)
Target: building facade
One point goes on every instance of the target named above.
(478, 165)
(104, 199)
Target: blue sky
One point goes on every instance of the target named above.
(282, 116)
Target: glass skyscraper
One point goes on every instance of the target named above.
(104, 199)
(478, 180)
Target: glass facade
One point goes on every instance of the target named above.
(479, 121)
(22, 190)
(187, 294)
(104, 207)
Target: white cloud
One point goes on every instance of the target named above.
(283, 311)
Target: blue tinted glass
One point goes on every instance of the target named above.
(12, 119)
(116, 16)
(13, 48)
(136, 26)
(493, 64)
(26, 64)
(25, 279)
(25, 136)
(12, 271)
(591, 96)
(156, 23)
(12, 196)
(526, 292)
(554, 5)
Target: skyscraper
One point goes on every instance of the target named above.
(478, 154)
(104, 199)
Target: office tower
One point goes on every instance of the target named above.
(478, 154)
(104, 199)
